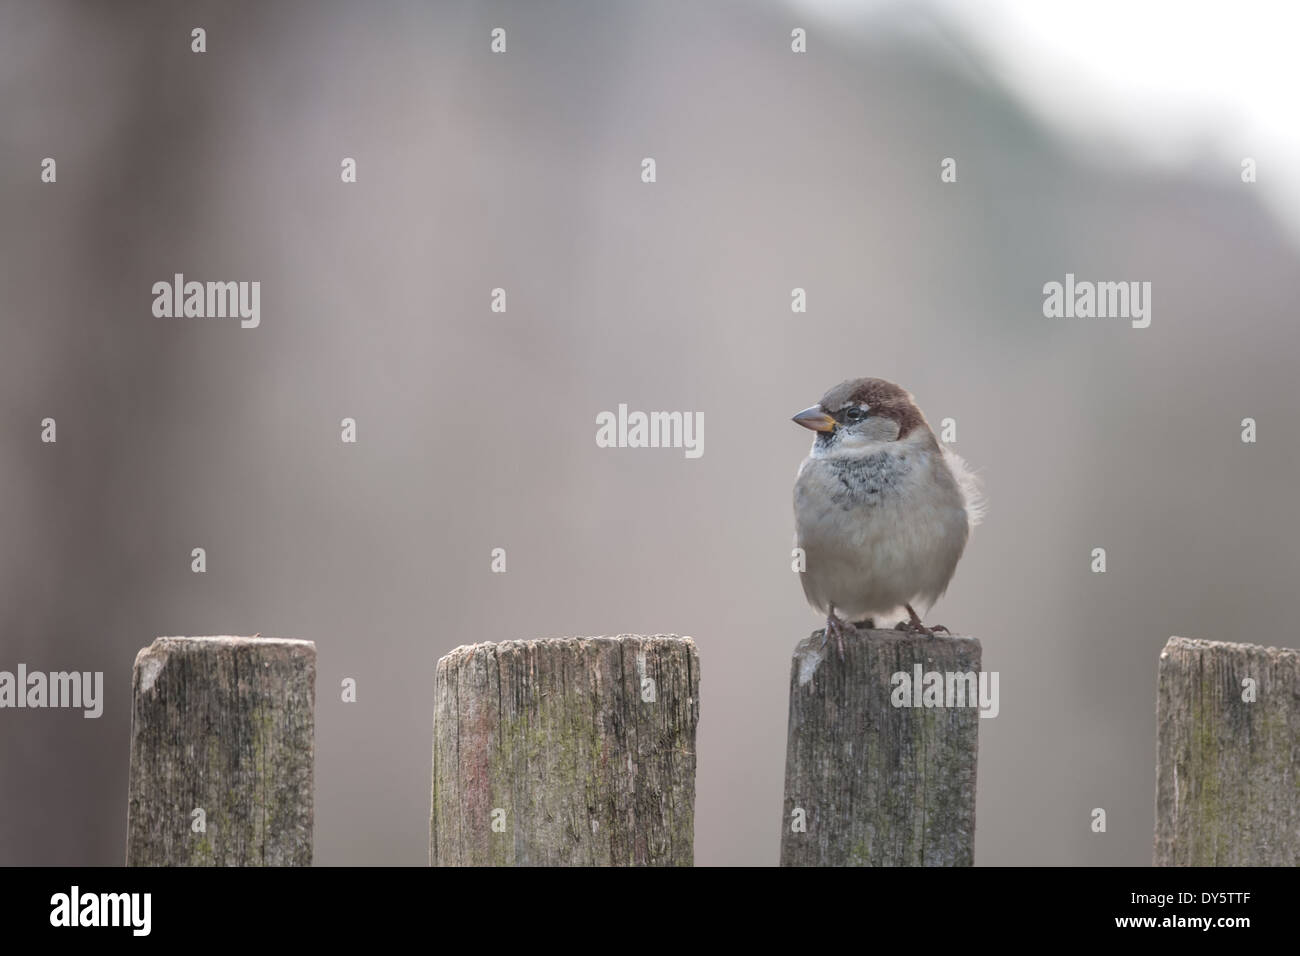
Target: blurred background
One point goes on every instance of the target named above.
(1090, 138)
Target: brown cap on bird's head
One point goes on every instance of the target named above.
(881, 398)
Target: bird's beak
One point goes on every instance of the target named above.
(815, 418)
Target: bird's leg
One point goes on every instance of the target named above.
(834, 626)
(912, 626)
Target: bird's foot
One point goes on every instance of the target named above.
(907, 627)
(837, 627)
(914, 625)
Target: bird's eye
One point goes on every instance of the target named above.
(854, 414)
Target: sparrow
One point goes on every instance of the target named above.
(882, 510)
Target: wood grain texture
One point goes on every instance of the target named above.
(878, 785)
(1227, 771)
(226, 725)
(558, 738)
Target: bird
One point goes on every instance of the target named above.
(882, 510)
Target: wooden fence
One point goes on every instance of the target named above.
(1227, 755)
(222, 753)
(581, 751)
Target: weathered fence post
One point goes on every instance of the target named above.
(1227, 755)
(576, 751)
(222, 749)
(875, 773)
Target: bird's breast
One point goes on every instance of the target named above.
(882, 511)
(868, 480)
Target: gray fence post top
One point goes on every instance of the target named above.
(1199, 644)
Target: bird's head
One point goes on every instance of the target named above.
(857, 414)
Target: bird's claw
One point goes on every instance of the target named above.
(907, 627)
(913, 625)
